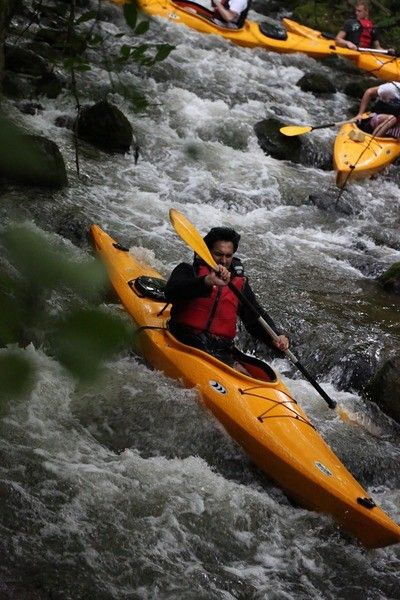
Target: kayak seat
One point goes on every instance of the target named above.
(255, 366)
(273, 30)
(149, 287)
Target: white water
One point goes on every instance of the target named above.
(130, 489)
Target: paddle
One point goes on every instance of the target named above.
(189, 234)
(291, 130)
(377, 51)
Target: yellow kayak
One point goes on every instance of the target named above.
(258, 411)
(383, 66)
(358, 155)
(252, 34)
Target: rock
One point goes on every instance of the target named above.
(73, 225)
(58, 39)
(355, 88)
(65, 121)
(275, 143)
(30, 108)
(49, 85)
(106, 127)
(384, 388)
(22, 60)
(390, 279)
(33, 160)
(316, 83)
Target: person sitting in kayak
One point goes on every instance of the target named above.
(205, 310)
(359, 32)
(231, 13)
(385, 120)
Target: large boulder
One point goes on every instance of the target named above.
(23, 60)
(274, 143)
(384, 388)
(106, 127)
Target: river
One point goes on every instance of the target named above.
(129, 488)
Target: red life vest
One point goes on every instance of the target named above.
(366, 38)
(217, 313)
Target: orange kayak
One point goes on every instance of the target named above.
(253, 34)
(358, 155)
(383, 66)
(258, 411)
(286, 38)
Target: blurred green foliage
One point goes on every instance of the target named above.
(50, 299)
(76, 42)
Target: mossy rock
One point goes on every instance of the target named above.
(390, 279)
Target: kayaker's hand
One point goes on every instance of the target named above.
(220, 279)
(351, 46)
(282, 343)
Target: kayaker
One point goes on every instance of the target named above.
(231, 13)
(359, 32)
(385, 119)
(204, 309)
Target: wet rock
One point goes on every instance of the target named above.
(30, 108)
(106, 127)
(384, 388)
(355, 88)
(354, 368)
(65, 121)
(49, 85)
(17, 87)
(34, 160)
(329, 201)
(390, 280)
(23, 60)
(73, 46)
(274, 143)
(74, 226)
(316, 83)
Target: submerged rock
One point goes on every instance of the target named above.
(316, 83)
(384, 388)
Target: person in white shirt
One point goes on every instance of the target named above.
(385, 120)
(231, 12)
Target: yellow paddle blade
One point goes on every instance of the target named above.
(361, 420)
(189, 234)
(291, 130)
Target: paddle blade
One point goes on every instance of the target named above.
(189, 234)
(291, 130)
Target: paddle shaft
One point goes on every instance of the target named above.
(333, 124)
(376, 51)
(331, 403)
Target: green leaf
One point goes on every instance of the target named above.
(142, 28)
(163, 51)
(88, 16)
(125, 51)
(16, 375)
(83, 339)
(131, 14)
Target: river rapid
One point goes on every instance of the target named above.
(129, 488)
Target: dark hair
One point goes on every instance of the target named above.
(222, 234)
